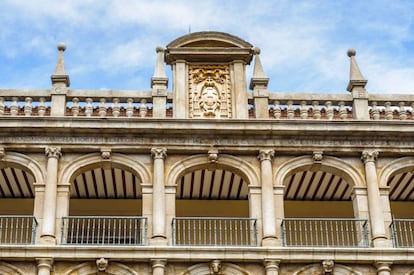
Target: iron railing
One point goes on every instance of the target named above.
(104, 230)
(322, 232)
(196, 231)
(17, 229)
(402, 232)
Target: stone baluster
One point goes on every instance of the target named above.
(276, 109)
(116, 109)
(28, 106)
(402, 113)
(388, 111)
(102, 107)
(329, 110)
(375, 111)
(158, 198)
(130, 107)
(316, 112)
(49, 205)
(271, 266)
(89, 107)
(44, 266)
(290, 110)
(41, 109)
(303, 110)
(268, 211)
(2, 107)
(158, 266)
(343, 113)
(75, 106)
(14, 108)
(374, 199)
(143, 109)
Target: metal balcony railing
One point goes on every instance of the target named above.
(214, 232)
(402, 232)
(322, 232)
(17, 229)
(104, 230)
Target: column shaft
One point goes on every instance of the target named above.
(158, 266)
(44, 266)
(49, 206)
(158, 200)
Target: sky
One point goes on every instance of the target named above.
(111, 44)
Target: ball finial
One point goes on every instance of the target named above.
(61, 46)
(256, 50)
(159, 49)
(351, 52)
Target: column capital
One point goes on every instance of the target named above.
(271, 264)
(158, 263)
(369, 156)
(159, 152)
(44, 262)
(53, 152)
(383, 266)
(266, 154)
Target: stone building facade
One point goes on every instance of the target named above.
(217, 176)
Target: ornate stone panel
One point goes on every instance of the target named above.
(209, 91)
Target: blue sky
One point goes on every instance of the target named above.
(111, 44)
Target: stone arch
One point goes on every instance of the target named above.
(229, 162)
(6, 268)
(119, 159)
(24, 162)
(330, 164)
(204, 269)
(411, 272)
(400, 165)
(317, 269)
(91, 269)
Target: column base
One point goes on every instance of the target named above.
(48, 239)
(270, 241)
(158, 240)
(381, 242)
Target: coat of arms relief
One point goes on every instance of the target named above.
(209, 93)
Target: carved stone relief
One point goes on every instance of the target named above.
(209, 93)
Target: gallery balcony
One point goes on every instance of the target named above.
(323, 232)
(197, 231)
(402, 232)
(17, 229)
(104, 230)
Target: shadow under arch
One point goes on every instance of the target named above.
(91, 269)
(204, 269)
(400, 165)
(228, 162)
(23, 162)
(329, 164)
(6, 268)
(87, 161)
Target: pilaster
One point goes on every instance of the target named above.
(62, 206)
(180, 102)
(240, 100)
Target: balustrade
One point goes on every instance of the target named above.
(402, 232)
(17, 229)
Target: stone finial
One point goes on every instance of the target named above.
(259, 77)
(160, 76)
(101, 264)
(355, 77)
(60, 75)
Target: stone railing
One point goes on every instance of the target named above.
(141, 104)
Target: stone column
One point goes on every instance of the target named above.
(62, 206)
(158, 197)
(240, 90)
(44, 266)
(278, 194)
(49, 206)
(383, 268)
(271, 266)
(158, 266)
(180, 103)
(374, 200)
(268, 211)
